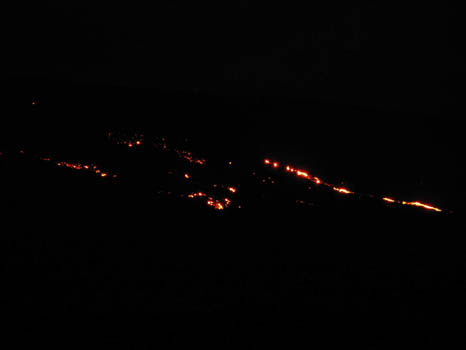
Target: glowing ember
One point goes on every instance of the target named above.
(215, 204)
(342, 190)
(232, 189)
(211, 202)
(187, 176)
(302, 174)
(78, 166)
(316, 180)
(425, 206)
(198, 194)
(189, 157)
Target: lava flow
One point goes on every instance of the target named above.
(78, 166)
(306, 175)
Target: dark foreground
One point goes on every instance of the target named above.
(132, 262)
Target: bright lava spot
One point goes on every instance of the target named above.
(186, 176)
(302, 174)
(232, 189)
(342, 190)
(316, 180)
(79, 166)
(425, 206)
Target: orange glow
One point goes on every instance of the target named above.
(210, 201)
(138, 142)
(189, 157)
(79, 166)
(232, 189)
(342, 190)
(198, 194)
(130, 144)
(316, 180)
(302, 174)
(425, 206)
(215, 204)
(186, 176)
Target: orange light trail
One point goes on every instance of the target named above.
(198, 194)
(425, 206)
(79, 166)
(342, 190)
(214, 203)
(316, 180)
(190, 158)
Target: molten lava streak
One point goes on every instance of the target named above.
(342, 190)
(79, 166)
(316, 180)
(215, 203)
(418, 204)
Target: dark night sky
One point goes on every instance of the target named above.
(393, 54)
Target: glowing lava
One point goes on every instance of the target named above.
(210, 201)
(79, 166)
(316, 180)
(342, 190)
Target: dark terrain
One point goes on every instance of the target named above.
(334, 271)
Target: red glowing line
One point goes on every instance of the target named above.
(316, 180)
(79, 166)
(425, 206)
(342, 190)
